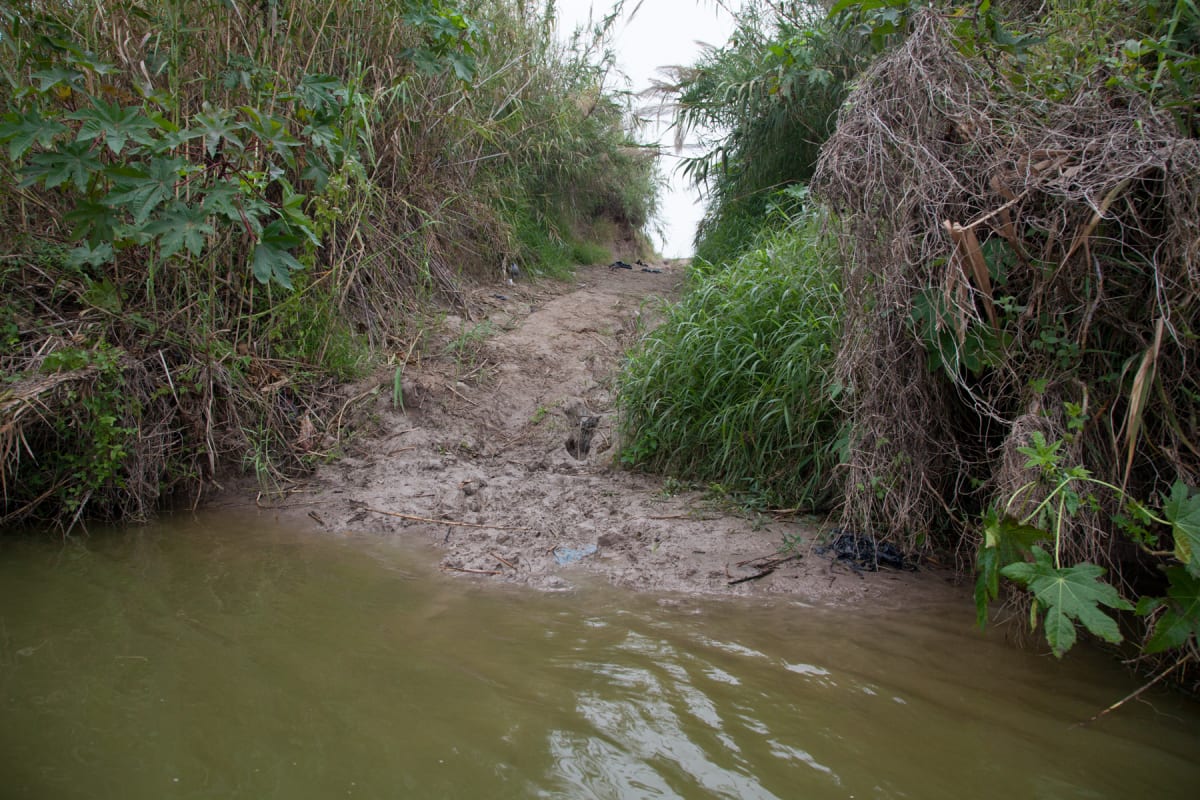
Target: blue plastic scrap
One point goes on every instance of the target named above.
(567, 555)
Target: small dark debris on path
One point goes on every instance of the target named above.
(862, 552)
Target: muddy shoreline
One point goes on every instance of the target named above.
(481, 457)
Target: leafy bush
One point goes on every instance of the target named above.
(239, 200)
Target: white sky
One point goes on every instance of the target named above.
(661, 33)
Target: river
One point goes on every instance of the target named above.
(226, 656)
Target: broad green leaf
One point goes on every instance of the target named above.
(115, 125)
(323, 94)
(1010, 533)
(140, 191)
(987, 584)
(181, 226)
(103, 294)
(1182, 510)
(57, 76)
(217, 127)
(23, 131)
(73, 162)
(89, 60)
(1005, 540)
(317, 171)
(272, 261)
(1067, 594)
(87, 256)
(292, 211)
(92, 221)
(256, 211)
(1181, 619)
(273, 133)
(463, 65)
(222, 200)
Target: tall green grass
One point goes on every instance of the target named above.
(772, 93)
(734, 387)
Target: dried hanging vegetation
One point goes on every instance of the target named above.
(1014, 265)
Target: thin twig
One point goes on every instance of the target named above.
(502, 560)
(1138, 692)
(753, 577)
(772, 561)
(473, 571)
(459, 396)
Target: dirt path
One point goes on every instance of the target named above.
(481, 445)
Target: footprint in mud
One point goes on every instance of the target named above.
(582, 424)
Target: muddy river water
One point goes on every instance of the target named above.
(227, 656)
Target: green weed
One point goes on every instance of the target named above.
(734, 386)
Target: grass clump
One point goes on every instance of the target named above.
(584, 253)
(734, 386)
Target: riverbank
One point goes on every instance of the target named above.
(474, 456)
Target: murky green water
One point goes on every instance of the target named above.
(227, 657)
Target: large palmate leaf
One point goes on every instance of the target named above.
(23, 131)
(142, 189)
(272, 261)
(181, 226)
(1182, 510)
(93, 222)
(273, 132)
(73, 162)
(115, 125)
(1181, 619)
(1005, 540)
(325, 95)
(57, 76)
(217, 127)
(1069, 594)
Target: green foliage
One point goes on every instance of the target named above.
(1151, 47)
(952, 345)
(1179, 623)
(1075, 593)
(1068, 594)
(137, 182)
(449, 38)
(1182, 511)
(467, 347)
(734, 386)
(1005, 541)
(250, 202)
(772, 92)
(584, 253)
(95, 437)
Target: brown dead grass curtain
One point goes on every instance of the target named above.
(1021, 216)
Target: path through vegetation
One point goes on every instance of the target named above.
(482, 457)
